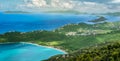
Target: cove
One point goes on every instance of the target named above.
(26, 52)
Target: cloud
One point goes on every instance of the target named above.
(47, 4)
(91, 6)
(37, 3)
(115, 1)
(61, 4)
(96, 1)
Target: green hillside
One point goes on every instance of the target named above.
(89, 29)
(102, 52)
(71, 37)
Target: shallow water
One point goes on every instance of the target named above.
(26, 52)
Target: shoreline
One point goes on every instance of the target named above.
(38, 46)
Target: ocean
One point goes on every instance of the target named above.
(43, 21)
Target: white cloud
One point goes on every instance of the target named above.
(43, 3)
(61, 4)
(38, 3)
(92, 7)
(115, 1)
(79, 5)
(34, 3)
(89, 3)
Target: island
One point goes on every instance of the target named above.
(76, 40)
(9, 12)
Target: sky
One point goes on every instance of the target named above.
(89, 6)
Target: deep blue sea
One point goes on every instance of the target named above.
(42, 21)
(26, 52)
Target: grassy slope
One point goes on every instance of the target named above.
(83, 27)
(76, 42)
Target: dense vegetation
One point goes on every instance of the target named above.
(102, 52)
(69, 37)
(73, 37)
(45, 36)
(87, 29)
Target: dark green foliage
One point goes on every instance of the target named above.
(103, 52)
(110, 32)
(32, 36)
(101, 19)
(86, 35)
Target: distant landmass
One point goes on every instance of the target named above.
(114, 13)
(16, 12)
(66, 11)
(98, 20)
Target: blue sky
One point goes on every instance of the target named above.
(90, 6)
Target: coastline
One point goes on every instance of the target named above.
(37, 45)
(45, 46)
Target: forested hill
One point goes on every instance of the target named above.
(88, 29)
(73, 37)
(108, 51)
(43, 36)
(70, 37)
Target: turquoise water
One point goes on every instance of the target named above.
(31, 22)
(26, 52)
